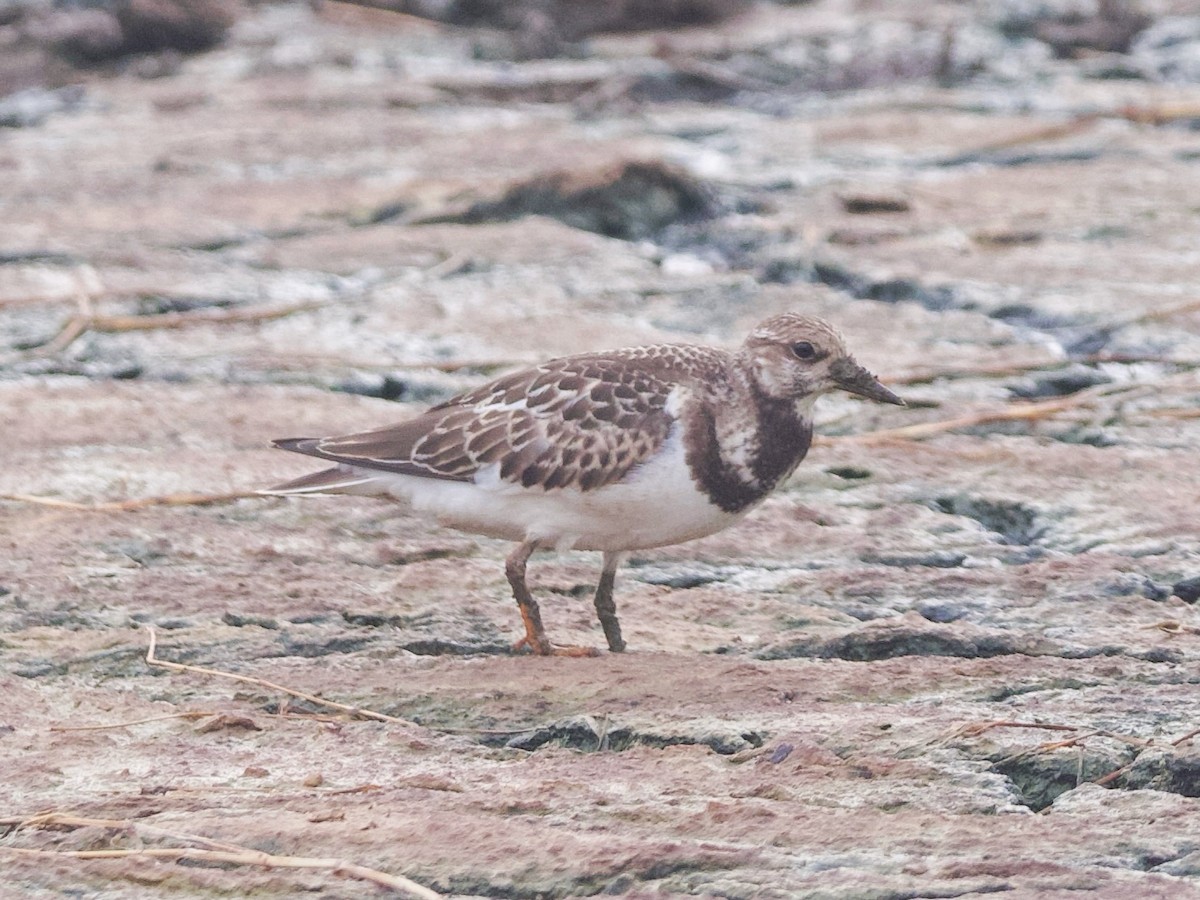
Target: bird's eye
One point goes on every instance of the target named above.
(804, 350)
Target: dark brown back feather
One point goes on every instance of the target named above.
(582, 421)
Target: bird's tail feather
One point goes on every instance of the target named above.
(338, 480)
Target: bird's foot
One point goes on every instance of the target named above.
(544, 648)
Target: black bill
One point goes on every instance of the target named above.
(852, 377)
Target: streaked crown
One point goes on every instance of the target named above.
(795, 357)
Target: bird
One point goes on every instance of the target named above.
(612, 451)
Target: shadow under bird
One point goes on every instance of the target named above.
(612, 451)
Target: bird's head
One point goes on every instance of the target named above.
(794, 357)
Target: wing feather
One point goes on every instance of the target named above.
(584, 421)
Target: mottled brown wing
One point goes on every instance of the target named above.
(578, 422)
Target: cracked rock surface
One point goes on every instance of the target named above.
(957, 654)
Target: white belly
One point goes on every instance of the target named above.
(657, 504)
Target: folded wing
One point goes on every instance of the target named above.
(577, 422)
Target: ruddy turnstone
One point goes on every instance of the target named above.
(613, 451)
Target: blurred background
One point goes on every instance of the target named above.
(388, 200)
(224, 222)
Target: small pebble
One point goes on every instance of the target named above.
(941, 612)
(39, 669)
(239, 621)
(938, 559)
(1131, 584)
(875, 203)
(1187, 590)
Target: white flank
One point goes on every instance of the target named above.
(656, 505)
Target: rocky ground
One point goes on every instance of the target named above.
(958, 654)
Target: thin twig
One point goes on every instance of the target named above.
(1040, 133)
(48, 501)
(1048, 747)
(152, 660)
(1116, 773)
(926, 375)
(245, 857)
(76, 325)
(1016, 412)
(1023, 411)
(1172, 412)
(1187, 737)
(1169, 312)
(448, 266)
(1113, 775)
(357, 789)
(202, 317)
(137, 503)
(981, 727)
(37, 300)
(194, 714)
(1173, 627)
(1161, 113)
(704, 70)
(223, 852)
(52, 819)
(307, 360)
(88, 320)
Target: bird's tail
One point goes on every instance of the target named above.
(338, 480)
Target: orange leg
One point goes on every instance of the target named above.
(535, 633)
